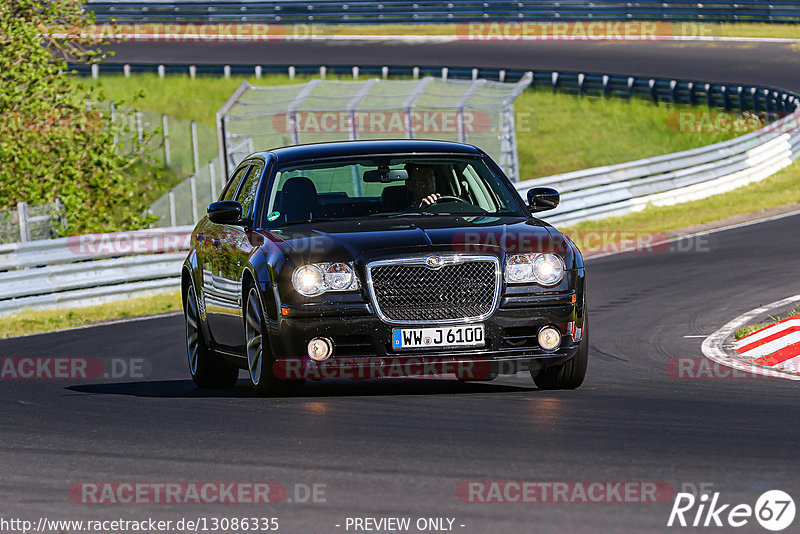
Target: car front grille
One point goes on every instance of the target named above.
(409, 291)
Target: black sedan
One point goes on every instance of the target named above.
(372, 259)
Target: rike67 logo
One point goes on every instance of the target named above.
(774, 510)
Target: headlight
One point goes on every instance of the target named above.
(317, 278)
(519, 269)
(544, 269)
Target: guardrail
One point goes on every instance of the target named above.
(616, 190)
(436, 11)
(90, 269)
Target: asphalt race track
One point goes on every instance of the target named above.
(401, 447)
(756, 63)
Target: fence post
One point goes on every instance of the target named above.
(113, 121)
(161, 71)
(501, 76)
(195, 148)
(22, 217)
(165, 127)
(355, 72)
(322, 72)
(193, 186)
(95, 71)
(415, 72)
(226, 71)
(173, 220)
(126, 70)
(192, 71)
(291, 72)
(258, 72)
(653, 91)
(139, 129)
(212, 178)
(385, 72)
(61, 213)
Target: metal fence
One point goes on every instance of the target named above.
(437, 11)
(186, 203)
(28, 223)
(479, 111)
(178, 144)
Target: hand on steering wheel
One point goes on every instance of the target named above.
(437, 198)
(430, 200)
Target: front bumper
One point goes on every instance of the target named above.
(363, 343)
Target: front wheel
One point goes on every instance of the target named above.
(570, 374)
(208, 369)
(259, 357)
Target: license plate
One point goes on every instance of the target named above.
(445, 336)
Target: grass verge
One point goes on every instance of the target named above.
(749, 329)
(34, 322)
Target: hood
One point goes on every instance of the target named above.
(366, 240)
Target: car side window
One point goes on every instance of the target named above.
(233, 183)
(247, 193)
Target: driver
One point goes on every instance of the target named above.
(421, 183)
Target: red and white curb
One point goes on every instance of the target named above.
(776, 346)
(761, 352)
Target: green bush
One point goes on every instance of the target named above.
(51, 144)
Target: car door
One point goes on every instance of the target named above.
(235, 249)
(214, 256)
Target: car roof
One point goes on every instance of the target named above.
(338, 149)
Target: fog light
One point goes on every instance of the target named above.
(320, 348)
(549, 338)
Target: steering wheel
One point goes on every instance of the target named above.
(449, 198)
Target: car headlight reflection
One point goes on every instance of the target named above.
(544, 269)
(317, 278)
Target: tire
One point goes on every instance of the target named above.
(208, 369)
(570, 374)
(260, 359)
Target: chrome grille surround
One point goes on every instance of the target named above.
(450, 265)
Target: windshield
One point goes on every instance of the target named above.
(387, 187)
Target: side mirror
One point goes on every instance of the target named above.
(542, 198)
(225, 212)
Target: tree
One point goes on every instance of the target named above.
(51, 144)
